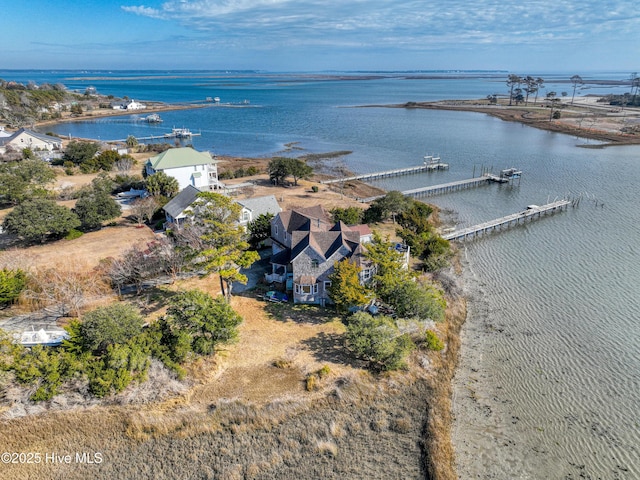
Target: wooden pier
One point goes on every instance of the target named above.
(431, 164)
(532, 212)
(160, 137)
(505, 176)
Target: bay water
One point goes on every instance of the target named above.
(549, 383)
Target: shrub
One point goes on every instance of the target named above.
(432, 341)
(12, 282)
(314, 189)
(377, 340)
(312, 383)
(73, 234)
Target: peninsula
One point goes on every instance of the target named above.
(585, 117)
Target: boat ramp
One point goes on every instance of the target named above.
(532, 212)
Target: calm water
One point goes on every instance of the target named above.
(557, 301)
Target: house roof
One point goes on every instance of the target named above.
(180, 157)
(306, 219)
(40, 136)
(181, 201)
(261, 205)
(324, 244)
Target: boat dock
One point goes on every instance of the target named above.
(430, 164)
(163, 136)
(505, 176)
(533, 211)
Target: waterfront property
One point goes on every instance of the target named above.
(252, 208)
(188, 167)
(306, 244)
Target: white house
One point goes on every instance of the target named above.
(128, 105)
(24, 138)
(188, 167)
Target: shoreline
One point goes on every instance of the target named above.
(604, 125)
(102, 113)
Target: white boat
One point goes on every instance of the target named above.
(46, 338)
(153, 118)
(216, 99)
(181, 132)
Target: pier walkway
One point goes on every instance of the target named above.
(533, 211)
(443, 187)
(427, 167)
(160, 137)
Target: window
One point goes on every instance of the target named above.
(327, 284)
(366, 274)
(314, 263)
(306, 289)
(245, 216)
(275, 227)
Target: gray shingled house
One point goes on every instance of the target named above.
(306, 245)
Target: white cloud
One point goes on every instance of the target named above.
(418, 24)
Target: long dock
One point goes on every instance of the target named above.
(442, 188)
(431, 166)
(533, 211)
(159, 137)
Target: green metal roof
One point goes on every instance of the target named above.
(180, 157)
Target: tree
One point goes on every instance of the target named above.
(539, 85)
(215, 240)
(378, 341)
(114, 324)
(132, 141)
(391, 204)
(278, 169)
(388, 266)
(25, 179)
(207, 321)
(418, 299)
(79, 152)
(512, 82)
(39, 218)
(349, 215)
(575, 81)
(161, 184)
(345, 290)
(143, 209)
(553, 101)
(124, 163)
(260, 229)
(76, 109)
(96, 206)
(298, 169)
(12, 282)
(531, 87)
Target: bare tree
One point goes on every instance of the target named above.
(143, 209)
(124, 164)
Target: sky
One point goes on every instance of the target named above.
(322, 35)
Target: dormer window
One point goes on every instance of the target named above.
(314, 263)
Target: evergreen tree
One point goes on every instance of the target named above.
(39, 218)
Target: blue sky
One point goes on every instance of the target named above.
(315, 35)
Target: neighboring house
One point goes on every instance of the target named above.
(188, 166)
(4, 133)
(306, 246)
(128, 105)
(252, 208)
(175, 215)
(24, 138)
(174, 210)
